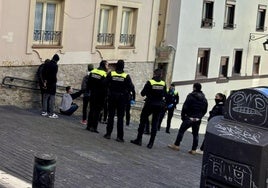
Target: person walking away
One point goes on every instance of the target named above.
(217, 110)
(155, 92)
(50, 71)
(130, 102)
(40, 79)
(86, 94)
(98, 91)
(194, 108)
(119, 85)
(68, 107)
(172, 99)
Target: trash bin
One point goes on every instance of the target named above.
(44, 171)
(236, 145)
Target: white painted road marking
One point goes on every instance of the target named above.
(9, 181)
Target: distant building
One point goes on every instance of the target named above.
(217, 43)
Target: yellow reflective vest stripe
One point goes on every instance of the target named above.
(99, 72)
(124, 75)
(153, 82)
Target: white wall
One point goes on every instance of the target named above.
(222, 42)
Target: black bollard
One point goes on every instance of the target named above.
(44, 171)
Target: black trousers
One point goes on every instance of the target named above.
(85, 106)
(128, 107)
(116, 104)
(169, 117)
(96, 105)
(147, 110)
(195, 132)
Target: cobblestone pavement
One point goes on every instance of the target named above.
(86, 159)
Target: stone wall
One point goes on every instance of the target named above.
(67, 75)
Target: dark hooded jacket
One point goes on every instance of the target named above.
(195, 106)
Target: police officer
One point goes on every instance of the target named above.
(155, 91)
(172, 99)
(97, 86)
(119, 85)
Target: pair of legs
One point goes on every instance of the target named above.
(147, 110)
(96, 105)
(85, 106)
(169, 117)
(128, 107)
(48, 103)
(186, 124)
(70, 111)
(116, 103)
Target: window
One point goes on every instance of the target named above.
(256, 65)
(224, 67)
(207, 15)
(202, 62)
(47, 23)
(106, 26)
(229, 14)
(261, 18)
(128, 27)
(237, 62)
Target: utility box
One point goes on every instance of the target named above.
(236, 144)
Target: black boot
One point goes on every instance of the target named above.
(150, 145)
(136, 141)
(151, 141)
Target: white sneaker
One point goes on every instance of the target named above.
(54, 116)
(44, 114)
(198, 151)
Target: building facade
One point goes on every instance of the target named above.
(80, 32)
(217, 43)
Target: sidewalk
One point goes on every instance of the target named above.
(86, 159)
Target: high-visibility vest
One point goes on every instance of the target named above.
(157, 85)
(97, 73)
(118, 76)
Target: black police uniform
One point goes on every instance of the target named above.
(155, 91)
(119, 85)
(97, 87)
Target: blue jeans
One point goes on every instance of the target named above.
(48, 103)
(70, 111)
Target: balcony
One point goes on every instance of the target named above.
(207, 22)
(127, 39)
(42, 37)
(229, 26)
(105, 39)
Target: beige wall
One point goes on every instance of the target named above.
(19, 59)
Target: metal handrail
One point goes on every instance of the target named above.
(15, 82)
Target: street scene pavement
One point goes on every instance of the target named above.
(86, 159)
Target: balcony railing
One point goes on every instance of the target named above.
(47, 37)
(207, 22)
(105, 39)
(261, 28)
(127, 39)
(229, 26)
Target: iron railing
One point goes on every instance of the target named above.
(105, 39)
(127, 39)
(47, 37)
